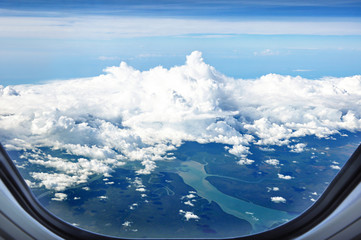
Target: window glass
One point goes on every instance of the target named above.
(211, 126)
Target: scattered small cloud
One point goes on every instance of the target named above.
(189, 203)
(245, 161)
(267, 149)
(188, 215)
(275, 189)
(273, 162)
(285, 177)
(335, 167)
(133, 206)
(140, 189)
(59, 197)
(278, 199)
(298, 148)
(127, 224)
(190, 195)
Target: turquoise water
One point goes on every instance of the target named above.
(261, 218)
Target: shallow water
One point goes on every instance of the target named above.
(261, 218)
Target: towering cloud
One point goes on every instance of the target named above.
(129, 115)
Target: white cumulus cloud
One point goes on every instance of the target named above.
(278, 199)
(126, 115)
(59, 197)
(335, 167)
(298, 148)
(285, 177)
(273, 162)
(188, 215)
(245, 161)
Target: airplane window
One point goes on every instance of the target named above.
(201, 125)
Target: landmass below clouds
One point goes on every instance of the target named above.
(128, 115)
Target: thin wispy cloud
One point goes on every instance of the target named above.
(103, 27)
(267, 52)
(108, 58)
(223, 9)
(302, 70)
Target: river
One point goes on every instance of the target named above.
(260, 217)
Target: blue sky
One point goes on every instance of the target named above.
(192, 8)
(46, 40)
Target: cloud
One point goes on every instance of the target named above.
(191, 195)
(298, 148)
(137, 184)
(72, 172)
(273, 162)
(278, 199)
(108, 58)
(133, 206)
(335, 167)
(188, 215)
(59, 197)
(302, 70)
(190, 198)
(140, 189)
(267, 149)
(113, 27)
(269, 189)
(266, 52)
(8, 91)
(285, 177)
(126, 115)
(245, 161)
(149, 55)
(127, 224)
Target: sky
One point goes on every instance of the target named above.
(48, 40)
(191, 8)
